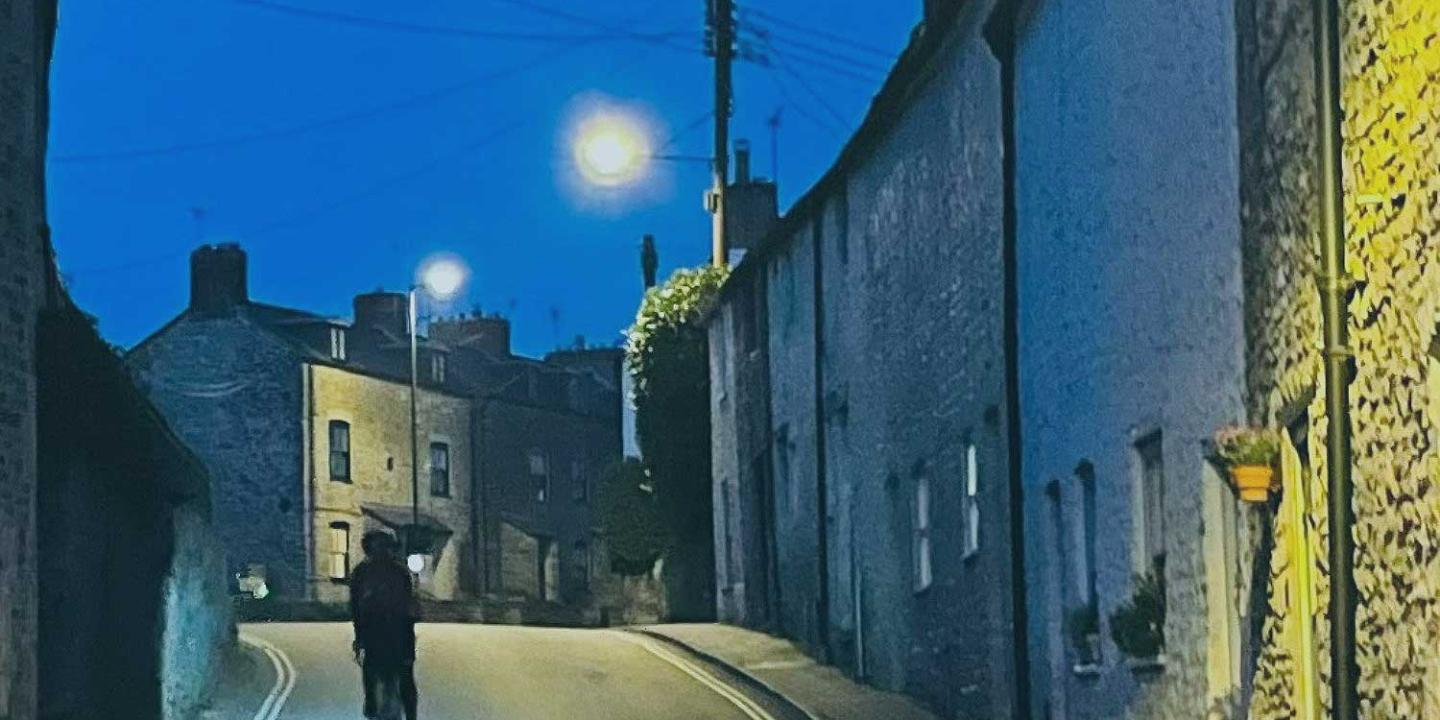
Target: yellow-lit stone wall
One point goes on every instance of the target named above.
(378, 412)
(1391, 100)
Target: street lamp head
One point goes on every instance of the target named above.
(415, 562)
(442, 276)
(611, 149)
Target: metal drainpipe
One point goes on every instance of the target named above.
(1000, 34)
(1333, 287)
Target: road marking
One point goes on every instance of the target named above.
(284, 677)
(702, 676)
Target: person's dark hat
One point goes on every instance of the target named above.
(376, 540)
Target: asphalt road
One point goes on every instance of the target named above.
(486, 672)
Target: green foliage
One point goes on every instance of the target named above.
(1247, 446)
(1138, 626)
(634, 533)
(667, 354)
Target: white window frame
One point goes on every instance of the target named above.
(444, 447)
(541, 492)
(971, 508)
(1152, 539)
(337, 343)
(437, 367)
(339, 551)
(924, 569)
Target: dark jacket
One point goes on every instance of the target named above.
(384, 608)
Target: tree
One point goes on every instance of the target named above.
(667, 355)
(634, 534)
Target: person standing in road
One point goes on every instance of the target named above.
(384, 608)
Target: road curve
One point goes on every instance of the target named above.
(489, 672)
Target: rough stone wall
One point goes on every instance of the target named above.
(232, 392)
(378, 412)
(1391, 130)
(725, 466)
(199, 625)
(1131, 322)
(26, 29)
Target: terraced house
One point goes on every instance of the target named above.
(304, 422)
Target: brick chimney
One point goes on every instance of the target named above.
(218, 279)
(380, 310)
(489, 334)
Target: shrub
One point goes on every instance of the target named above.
(1138, 626)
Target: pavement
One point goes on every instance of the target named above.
(490, 672)
(781, 667)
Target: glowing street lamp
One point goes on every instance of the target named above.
(441, 277)
(611, 149)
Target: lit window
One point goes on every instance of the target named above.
(339, 550)
(972, 501)
(923, 572)
(337, 343)
(539, 475)
(339, 451)
(439, 469)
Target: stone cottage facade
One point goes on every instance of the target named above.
(858, 395)
(1131, 350)
(1390, 92)
(305, 423)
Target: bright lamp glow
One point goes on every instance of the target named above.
(442, 276)
(610, 149)
(416, 563)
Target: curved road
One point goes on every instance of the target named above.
(489, 672)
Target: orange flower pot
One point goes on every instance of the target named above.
(1253, 481)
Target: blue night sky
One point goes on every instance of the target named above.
(340, 152)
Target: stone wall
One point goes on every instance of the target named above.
(26, 31)
(1131, 324)
(233, 393)
(1391, 129)
(123, 508)
(378, 413)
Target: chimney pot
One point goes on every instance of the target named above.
(742, 162)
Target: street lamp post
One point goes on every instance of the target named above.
(441, 277)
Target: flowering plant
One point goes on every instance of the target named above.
(1241, 445)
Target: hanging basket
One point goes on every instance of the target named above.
(1253, 482)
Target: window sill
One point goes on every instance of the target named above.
(1147, 666)
(1086, 670)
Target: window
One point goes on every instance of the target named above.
(579, 481)
(439, 469)
(339, 551)
(921, 544)
(582, 560)
(782, 468)
(337, 343)
(539, 475)
(1086, 473)
(437, 367)
(339, 451)
(1150, 453)
(972, 501)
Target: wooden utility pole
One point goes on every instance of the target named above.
(720, 21)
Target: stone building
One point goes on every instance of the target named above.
(1390, 92)
(305, 423)
(94, 488)
(858, 395)
(1131, 350)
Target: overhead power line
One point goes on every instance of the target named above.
(662, 39)
(323, 123)
(809, 30)
(408, 27)
(767, 35)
